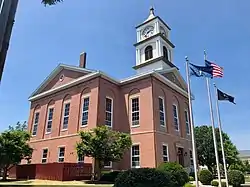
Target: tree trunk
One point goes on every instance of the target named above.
(96, 171)
(93, 170)
(5, 170)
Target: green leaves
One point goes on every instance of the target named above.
(14, 146)
(103, 144)
(205, 147)
(51, 2)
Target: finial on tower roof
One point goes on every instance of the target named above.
(151, 14)
(151, 11)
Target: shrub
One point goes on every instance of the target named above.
(214, 183)
(237, 166)
(205, 176)
(143, 177)
(235, 178)
(179, 175)
(189, 185)
(191, 178)
(223, 184)
(110, 176)
(192, 174)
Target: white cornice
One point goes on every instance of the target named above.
(171, 84)
(117, 82)
(52, 75)
(67, 85)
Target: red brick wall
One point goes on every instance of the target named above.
(149, 134)
(52, 171)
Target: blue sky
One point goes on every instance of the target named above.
(44, 36)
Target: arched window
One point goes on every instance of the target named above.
(148, 52)
(165, 53)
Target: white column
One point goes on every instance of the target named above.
(157, 27)
(159, 48)
(170, 55)
(138, 56)
(138, 36)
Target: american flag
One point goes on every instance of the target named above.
(217, 70)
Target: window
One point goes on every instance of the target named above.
(135, 156)
(66, 116)
(162, 111)
(148, 52)
(80, 158)
(191, 158)
(135, 111)
(187, 122)
(61, 153)
(108, 164)
(165, 53)
(85, 111)
(50, 118)
(165, 153)
(35, 125)
(109, 110)
(176, 119)
(45, 155)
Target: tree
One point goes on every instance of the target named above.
(14, 147)
(205, 147)
(19, 126)
(238, 166)
(103, 145)
(247, 166)
(51, 2)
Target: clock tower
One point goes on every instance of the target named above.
(154, 50)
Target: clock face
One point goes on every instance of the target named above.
(148, 31)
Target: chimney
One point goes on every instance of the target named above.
(82, 62)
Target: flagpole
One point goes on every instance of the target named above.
(220, 130)
(192, 124)
(212, 121)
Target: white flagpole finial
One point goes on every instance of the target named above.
(205, 55)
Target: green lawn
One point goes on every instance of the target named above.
(37, 183)
(40, 185)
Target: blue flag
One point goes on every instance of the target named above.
(201, 71)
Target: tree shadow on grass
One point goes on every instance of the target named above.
(98, 182)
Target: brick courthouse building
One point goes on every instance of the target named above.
(152, 106)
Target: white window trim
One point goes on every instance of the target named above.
(130, 100)
(112, 105)
(64, 104)
(179, 146)
(82, 99)
(192, 157)
(164, 113)
(188, 133)
(33, 125)
(46, 157)
(58, 157)
(110, 166)
(50, 107)
(164, 144)
(131, 161)
(177, 113)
